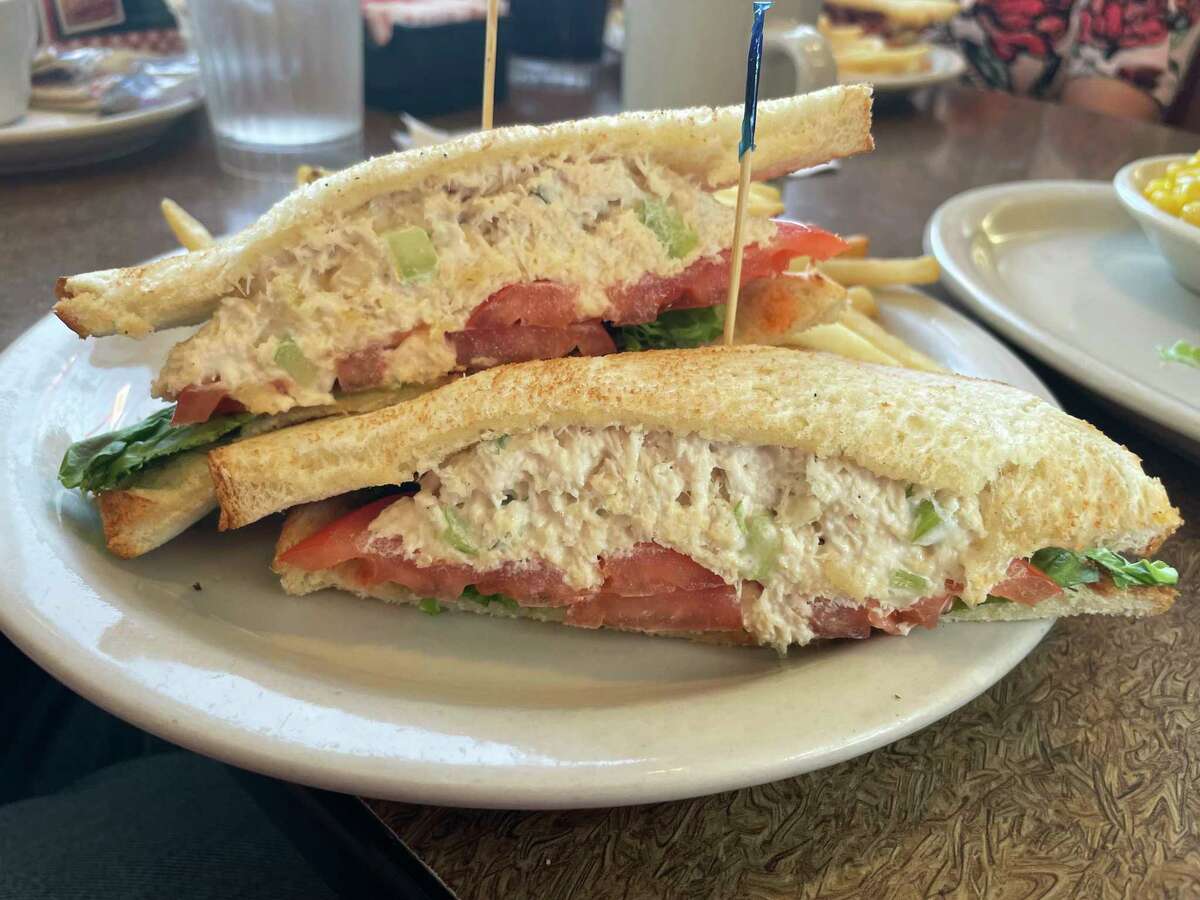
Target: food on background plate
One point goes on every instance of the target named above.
(746, 495)
(517, 243)
(583, 237)
(1181, 352)
(1177, 191)
(898, 22)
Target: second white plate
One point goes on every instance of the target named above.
(46, 139)
(197, 643)
(945, 65)
(1059, 268)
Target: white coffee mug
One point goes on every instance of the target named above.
(693, 52)
(18, 41)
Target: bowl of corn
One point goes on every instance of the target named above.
(1162, 193)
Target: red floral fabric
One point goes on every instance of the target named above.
(1035, 46)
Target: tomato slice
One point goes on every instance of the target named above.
(545, 303)
(531, 584)
(479, 348)
(706, 281)
(1025, 584)
(924, 612)
(832, 620)
(649, 569)
(198, 404)
(337, 542)
(711, 609)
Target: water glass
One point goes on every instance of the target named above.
(283, 81)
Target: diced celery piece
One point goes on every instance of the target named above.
(456, 533)
(925, 520)
(292, 360)
(763, 541)
(668, 226)
(411, 251)
(903, 580)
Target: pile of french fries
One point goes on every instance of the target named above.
(829, 305)
(826, 306)
(859, 54)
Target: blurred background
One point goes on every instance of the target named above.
(286, 82)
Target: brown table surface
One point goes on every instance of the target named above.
(1076, 775)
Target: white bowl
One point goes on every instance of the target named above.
(1176, 240)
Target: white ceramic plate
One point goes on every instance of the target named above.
(945, 65)
(45, 139)
(355, 696)
(1061, 269)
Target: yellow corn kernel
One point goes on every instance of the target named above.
(1191, 213)
(1156, 184)
(1165, 201)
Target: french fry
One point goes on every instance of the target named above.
(862, 300)
(879, 272)
(186, 228)
(773, 310)
(860, 244)
(887, 343)
(838, 339)
(306, 174)
(868, 59)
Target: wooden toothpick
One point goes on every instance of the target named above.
(489, 62)
(745, 154)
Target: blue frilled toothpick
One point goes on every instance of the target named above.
(745, 152)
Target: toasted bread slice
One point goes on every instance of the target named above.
(793, 132)
(159, 503)
(1041, 477)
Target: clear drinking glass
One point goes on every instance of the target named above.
(283, 81)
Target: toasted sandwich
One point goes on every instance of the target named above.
(899, 22)
(509, 245)
(746, 495)
(377, 282)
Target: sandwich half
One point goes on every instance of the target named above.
(378, 282)
(897, 21)
(514, 244)
(747, 495)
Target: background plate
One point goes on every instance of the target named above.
(45, 139)
(1061, 269)
(944, 65)
(197, 643)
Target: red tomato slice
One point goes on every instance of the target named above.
(545, 303)
(480, 348)
(197, 404)
(706, 281)
(1025, 584)
(442, 580)
(535, 584)
(924, 612)
(712, 609)
(337, 542)
(367, 368)
(649, 569)
(831, 620)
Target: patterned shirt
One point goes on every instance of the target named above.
(1035, 46)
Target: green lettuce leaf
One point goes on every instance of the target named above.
(103, 462)
(677, 328)
(1127, 574)
(471, 593)
(1181, 352)
(1064, 567)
